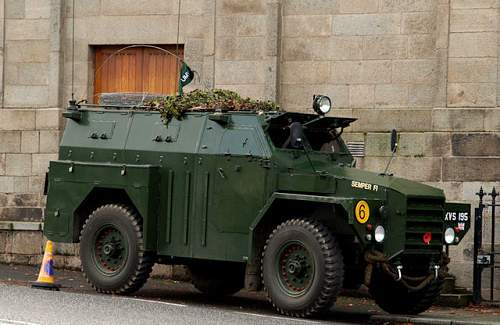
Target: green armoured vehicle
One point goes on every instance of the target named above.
(256, 200)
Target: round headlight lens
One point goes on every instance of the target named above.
(449, 235)
(325, 105)
(379, 234)
(322, 104)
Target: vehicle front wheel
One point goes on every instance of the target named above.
(112, 250)
(302, 268)
(395, 298)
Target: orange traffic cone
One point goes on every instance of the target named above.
(46, 275)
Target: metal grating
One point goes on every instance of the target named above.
(424, 215)
(357, 148)
(126, 99)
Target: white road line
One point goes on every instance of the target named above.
(156, 302)
(235, 312)
(278, 317)
(15, 322)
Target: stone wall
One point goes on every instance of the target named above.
(428, 68)
(29, 122)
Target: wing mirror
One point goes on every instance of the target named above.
(394, 147)
(394, 140)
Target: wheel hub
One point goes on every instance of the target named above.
(296, 268)
(110, 249)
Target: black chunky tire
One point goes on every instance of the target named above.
(217, 279)
(327, 264)
(131, 275)
(394, 298)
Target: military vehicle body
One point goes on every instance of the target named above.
(262, 200)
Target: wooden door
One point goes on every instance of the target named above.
(136, 70)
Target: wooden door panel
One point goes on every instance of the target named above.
(139, 69)
(121, 72)
(160, 74)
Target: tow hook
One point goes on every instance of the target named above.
(436, 271)
(400, 274)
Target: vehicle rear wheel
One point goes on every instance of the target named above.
(112, 250)
(302, 268)
(218, 279)
(395, 298)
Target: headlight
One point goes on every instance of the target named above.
(379, 234)
(449, 235)
(322, 104)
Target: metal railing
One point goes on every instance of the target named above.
(484, 258)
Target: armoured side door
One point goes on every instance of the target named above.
(232, 189)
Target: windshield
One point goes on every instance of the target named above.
(295, 135)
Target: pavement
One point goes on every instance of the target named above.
(171, 302)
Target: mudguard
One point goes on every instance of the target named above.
(347, 203)
(69, 184)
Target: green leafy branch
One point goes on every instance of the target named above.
(209, 100)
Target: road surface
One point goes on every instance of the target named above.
(172, 302)
(23, 305)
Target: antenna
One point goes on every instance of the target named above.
(73, 55)
(296, 140)
(306, 150)
(177, 66)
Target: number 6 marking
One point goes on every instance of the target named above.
(362, 211)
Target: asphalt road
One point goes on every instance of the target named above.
(173, 302)
(23, 305)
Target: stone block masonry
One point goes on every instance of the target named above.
(473, 57)
(390, 50)
(428, 68)
(29, 139)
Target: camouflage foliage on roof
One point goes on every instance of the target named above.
(209, 100)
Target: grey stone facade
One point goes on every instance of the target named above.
(426, 67)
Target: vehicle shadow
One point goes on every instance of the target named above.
(346, 310)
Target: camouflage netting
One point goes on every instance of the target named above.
(174, 106)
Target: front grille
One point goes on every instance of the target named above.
(424, 215)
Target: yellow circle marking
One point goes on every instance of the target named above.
(362, 211)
